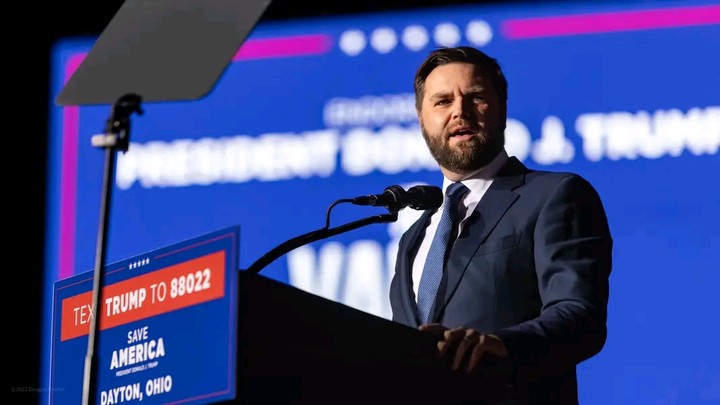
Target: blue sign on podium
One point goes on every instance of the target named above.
(167, 330)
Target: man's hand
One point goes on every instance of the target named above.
(466, 346)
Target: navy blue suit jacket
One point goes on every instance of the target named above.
(532, 266)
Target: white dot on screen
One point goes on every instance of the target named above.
(479, 32)
(447, 34)
(352, 42)
(383, 39)
(415, 37)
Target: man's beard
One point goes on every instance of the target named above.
(466, 156)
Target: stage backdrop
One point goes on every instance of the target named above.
(308, 112)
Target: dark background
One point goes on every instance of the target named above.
(27, 55)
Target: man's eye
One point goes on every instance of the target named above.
(442, 102)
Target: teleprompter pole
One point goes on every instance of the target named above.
(115, 139)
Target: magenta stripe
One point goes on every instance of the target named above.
(68, 178)
(610, 22)
(301, 45)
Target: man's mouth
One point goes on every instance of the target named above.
(463, 134)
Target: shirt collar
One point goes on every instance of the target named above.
(480, 180)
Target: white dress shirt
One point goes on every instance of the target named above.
(477, 183)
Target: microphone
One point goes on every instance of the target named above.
(396, 198)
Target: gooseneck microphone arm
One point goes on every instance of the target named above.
(329, 210)
(314, 236)
(394, 199)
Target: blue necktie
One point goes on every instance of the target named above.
(435, 262)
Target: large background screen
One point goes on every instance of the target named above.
(309, 112)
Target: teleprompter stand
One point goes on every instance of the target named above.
(151, 51)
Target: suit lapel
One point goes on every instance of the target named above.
(491, 208)
(407, 296)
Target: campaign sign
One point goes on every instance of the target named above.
(167, 326)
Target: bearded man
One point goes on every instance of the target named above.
(515, 265)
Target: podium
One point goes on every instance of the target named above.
(298, 348)
(181, 324)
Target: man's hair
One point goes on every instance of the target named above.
(461, 54)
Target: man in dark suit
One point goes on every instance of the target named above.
(522, 272)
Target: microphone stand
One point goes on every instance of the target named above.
(116, 137)
(313, 236)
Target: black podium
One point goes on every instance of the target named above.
(299, 348)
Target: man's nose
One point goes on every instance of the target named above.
(463, 108)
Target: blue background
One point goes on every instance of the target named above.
(663, 212)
